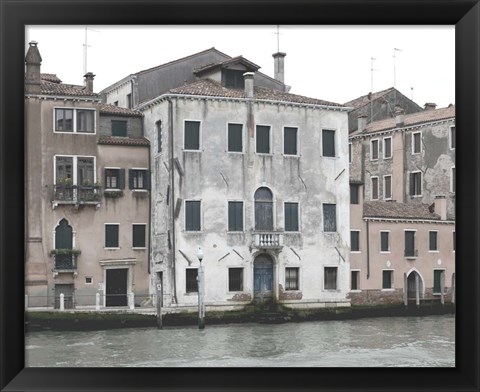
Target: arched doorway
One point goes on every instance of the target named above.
(263, 278)
(263, 209)
(412, 279)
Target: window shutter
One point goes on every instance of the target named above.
(239, 216)
(328, 143)
(192, 135)
(263, 139)
(409, 243)
(121, 178)
(130, 178)
(290, 141)
(148, 179)
(329, 217)
(384, 241)
(231, 216)
(105, 178)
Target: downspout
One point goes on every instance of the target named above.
(172, 195)
(149, 211)
(368, 251)
(404, 167)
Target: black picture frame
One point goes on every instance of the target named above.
(15, 14)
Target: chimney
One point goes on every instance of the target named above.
(430, 106)
(279, 66)
(89, 81)
(362, 122)
(399, 116)
(440, 206)
(248, 76)
(32, 71)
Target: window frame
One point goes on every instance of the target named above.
(285, 216)
(410, 179)
(358, 250)
(296, 279)
(119, 170)
(242, 279)
(334, 131)
(270, 144)
(385, 148)
(297, 144)
(324, 220)
(144, 236)
(159, 129)
(357, 272)
(131, 181)
(105, 236)
(228, 216)
(415, 250)
(357, 193)
(188, 290)
(388, 241)
(350, 152)
(372, 188)
(242, 151)
(185, 229)
(74, 120)
(123, 122)
(200, 146)
(333, 267)
(385, 187)
(420, 143)
(74, 167)
(392, 279)
(430, 250)
(372, 150)
(439, 292)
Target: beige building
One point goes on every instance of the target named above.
(87, 196)
(402, 211)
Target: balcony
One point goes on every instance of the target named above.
(65, 260)
(411, 253)
(76, 195)
(268, 240)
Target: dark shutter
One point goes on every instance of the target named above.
(329, 217)
(291, 216)
(354, 280)
(121, 179)
(235, 143)
(105, 173)
(433, 240)
(388, 148)
(290, 141)
(353, 194)
(388, 187)
(235, 279)
(111, 236)
(192, 218)
(63, 235)
(387, 280)
(138, 234)
(130, 178)
(148, 179)
(437, 276)
(119, 128)
(235, 216)
(328, 143)
(191, 280)
(409, 243)
(384, 241)
(192, 135)
(263, 139)
(354, 241)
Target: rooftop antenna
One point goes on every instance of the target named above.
(85, 46)
(372, 59)
(411, 91)
(278, 38)
(395, 50)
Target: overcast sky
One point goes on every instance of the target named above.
(332, 63)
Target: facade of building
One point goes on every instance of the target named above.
(254, 176)
(402, 189)
(87, 196)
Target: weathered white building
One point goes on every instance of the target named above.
(256, 177)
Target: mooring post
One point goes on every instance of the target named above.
(26, 301)
(442, 288)
(62, 301)
(159, 305)
(201, 298)
(453, 289)
(131, 300)
(97, 301)
(405, 289)
(417, 290)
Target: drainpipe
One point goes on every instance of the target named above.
(149, 210)
(172, 195)
(404, 167)
(368, 251)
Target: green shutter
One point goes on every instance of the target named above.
(192, 135)
(111, 236)
(121, 178)
(192, 215)
(235, 133)
(138, 236)
(290, 141)
(263, 139)
(328, 143)
(329, 217)
(119, 128)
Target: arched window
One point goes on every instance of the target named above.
(63, 235)
(263, 209)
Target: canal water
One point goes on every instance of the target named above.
(375, 342)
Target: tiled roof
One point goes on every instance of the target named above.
(118, 111)
(365, 99)
(422, 117)
(55, 88)
(208, 87)
(123, 141)
(50, 78)
(385, 209)
(234, 60)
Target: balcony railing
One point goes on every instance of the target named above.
(270, 240)
(65, 260)
(76, 194)
(411, 253)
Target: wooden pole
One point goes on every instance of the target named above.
(405, 289)
(417, 290)
(442, 288)
(453, 288)
(159, 304)
(201, 298)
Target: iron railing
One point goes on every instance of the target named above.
(65, 261)
(411, 253)
(76, 193)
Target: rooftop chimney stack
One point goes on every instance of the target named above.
(430, 106)
(248, 76)
(399, 116)
(33, 61)
(440, 207)
(89, 81)
(279, 66)
(362, 122)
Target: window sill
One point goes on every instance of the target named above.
(139, 248)
(387, 158)
(192, 150)
(139, 190)
(236, 232)
(112, 248)
(433, 251)
(195, 293)
(291, 155)
(293, 290)
(292, 232)
(356, 291)
(236, 152)
(388, 290)
(328, 157)
(265, 154)
(413, 196)
(385, 252)
(374, 160)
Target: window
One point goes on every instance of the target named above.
(349, 152)
(138, 235)
(192, 135)
(384, 241)
(235, 279)
(416, 184)
(374, 188)
(235, 216)
(191, 280)
(328, 143)
(291, 278)
(290, 141)
(119, 128)
(387, 187)
(139, 178)
(75, 120)
(433, 246)
(263, 139)
(192, 215)
(235, 137)
(111, 235)
(232, 78)
(291, 216)
(330, 278)
(355, 240)
(354, 193)
(74, 170)
(116, 103)
(354, 280)
(452, 137)
(263, 209)
(329, 217)
(437, 281)
(416, 143)
(129, 101)
(159, 136)
(114, 178)
(410, 250)
(88, 280)
(374, 150)
(387, 147)
(387, 279)
(453, 181)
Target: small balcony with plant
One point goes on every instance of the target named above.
(65, 260)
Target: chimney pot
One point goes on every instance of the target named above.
(279, 66)
(33, 61)
(362, 122)
(440, 206)
(248, 77)
(89, 76)
(430, 106)
(399, 116)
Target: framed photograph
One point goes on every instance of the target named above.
(83, 180)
